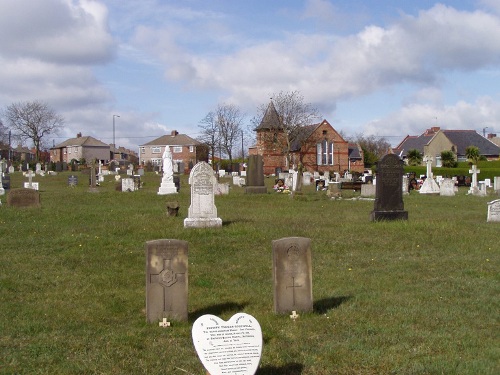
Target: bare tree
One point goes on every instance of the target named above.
(373, 148)
(294, 115)
(222, 128)
(33, 121)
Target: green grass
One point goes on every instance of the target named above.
(413, 297)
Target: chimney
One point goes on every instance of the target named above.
(491, 135)
(174, 133)
(79, 135)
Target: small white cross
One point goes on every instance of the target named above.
(164, 324)
(294, 315)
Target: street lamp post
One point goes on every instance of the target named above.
(484, 132)
(114, 145)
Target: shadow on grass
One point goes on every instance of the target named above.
(323, 305)
(217, 310)
(289, 369)
(230, 222)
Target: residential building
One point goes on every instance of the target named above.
(186, 151)
(435, 140)
(81, 147)
(318, 147)
(122, 154)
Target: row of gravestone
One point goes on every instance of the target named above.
(167, 277)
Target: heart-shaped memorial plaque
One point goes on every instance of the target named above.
(232, 347)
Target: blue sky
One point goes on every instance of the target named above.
(387, 68)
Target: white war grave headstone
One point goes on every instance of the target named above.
(128, 184)
(30, 184)
(292, 275)
(167, 182)
(166, 280)
(202, 212)
(232, 347)
(429, 186)
(494, 211)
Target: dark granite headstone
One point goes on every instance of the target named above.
(389, 190)
(255, 175)
(6, 182)
(292, 274)
(23, 198)
(166, 280)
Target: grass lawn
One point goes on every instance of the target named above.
(407, 297)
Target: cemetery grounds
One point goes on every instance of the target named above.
(405, 297)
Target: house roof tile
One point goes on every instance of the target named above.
(81, 141)
(173, 140)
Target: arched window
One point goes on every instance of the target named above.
(324, 153)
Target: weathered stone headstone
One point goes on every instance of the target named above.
(255, 176)
(221, 189)
(334, 189)
(389, 192)
(128, 184)
(367, 190)
(23, 198)
(166, 280)
(93, 179)
(11, 169)
(447, 187)
(292, 275)
(496, 183)
(232, 347)
(494, 211)
(38, 168)
(202, 211)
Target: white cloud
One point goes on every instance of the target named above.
(414, 118)
(57, 31)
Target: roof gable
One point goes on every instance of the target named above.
(465, 138)
(87, 141)
(173, 140)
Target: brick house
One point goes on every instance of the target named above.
(319, 147)
(435, 140)
(87, 148)
(186, 151)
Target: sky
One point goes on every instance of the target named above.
(388, 68)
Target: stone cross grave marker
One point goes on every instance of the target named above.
(202, 212)
(474, 186)
(429, 186)
(389, 190)
(294, 315)
(494, 211)
(292, 275)
(30, 179)
(72, 181)
(232, 347)
(166, 280)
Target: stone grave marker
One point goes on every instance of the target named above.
(232, 347)
(221, 189)
(166, 280)
(167, 182)
(11, 169)
(447, 187)
(389, 190)
(292, 275)
(6, 182)
(72, 181)
(496, 183)
(32, 185)
(494, 211)
(474, 188)
(429, 186)
(255, 176)
(202, 212)
(367, 190)
(38, 169)
(23, 198)
(128, 184)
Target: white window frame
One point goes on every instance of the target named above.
(155, 149)
(143, 150)
(324, 153)
(176, 149)
(191, 148)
